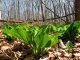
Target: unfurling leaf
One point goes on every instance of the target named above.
(69, 45)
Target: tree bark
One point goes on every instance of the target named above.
(77, 10)
(42, 11)
(0, 9)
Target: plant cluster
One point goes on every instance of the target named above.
(36, 36)
(39, 37)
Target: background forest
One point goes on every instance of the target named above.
(54, 10)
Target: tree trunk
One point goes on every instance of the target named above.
(18, 10)
(0, 9)
(77, 10)
(67, 21)
(42, 11)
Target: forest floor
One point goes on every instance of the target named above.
(18, 50)
(32, 22)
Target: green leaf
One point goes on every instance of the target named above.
(45, 41)
(69, 45)
(9, 32)
(54, 28)
(71, 32)
(21, 33)
(54, 38)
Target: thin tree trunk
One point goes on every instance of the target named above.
(0, 8)
(66, 14)
(33, 9)
(18, 10)
(42, 11)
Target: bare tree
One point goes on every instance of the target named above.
(42, 11)
(66, 13)
(18, 10)
(33, 9)
(0, 9)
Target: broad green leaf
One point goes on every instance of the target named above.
(69, 45)
(54, 38)
(54, 28)
(21, 33)
(45, 41)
